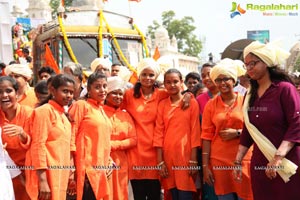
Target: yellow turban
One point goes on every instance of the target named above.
(100, 61)
(270, 53)
(21, 69)
(115, 83)
(148, 63)
(227, 67)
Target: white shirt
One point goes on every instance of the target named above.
(6, 187)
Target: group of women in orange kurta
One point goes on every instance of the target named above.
(92, 147)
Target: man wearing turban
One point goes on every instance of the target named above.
(22, 74)
(102, 65)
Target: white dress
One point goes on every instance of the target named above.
(6, 187)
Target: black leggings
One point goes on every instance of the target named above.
(88, 193)
(146, 189)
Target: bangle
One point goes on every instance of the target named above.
(204, 153)
(72, 183)
(193, 162)
(279, 154)
(237, 162)
(204, 165)
(161, 163)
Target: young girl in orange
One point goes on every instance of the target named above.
(141, 103)
(52, 143)
(221, 125)
(123, 136)
(93, 130)
(176, 138)
(14, 120)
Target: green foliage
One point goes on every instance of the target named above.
(297, 65)
(55, 3)
(182, 29)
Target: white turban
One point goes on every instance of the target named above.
(21, 69)
(124, 73)
(270, 53)
(100, 61)
(227, 67)
(241, 69)
(115, 83)
(148, 63)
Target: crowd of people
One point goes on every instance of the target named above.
(228, 132)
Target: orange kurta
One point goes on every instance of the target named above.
(123, 137)
(29, 98)
(15, 148)
(177, 131)
(216, 117)
(142, 158)
(50, 149)
(93, 130)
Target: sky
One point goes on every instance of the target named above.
(212, 18)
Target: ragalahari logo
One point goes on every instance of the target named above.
(236, 10)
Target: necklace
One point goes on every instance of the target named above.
(230, 102)
(148, 96)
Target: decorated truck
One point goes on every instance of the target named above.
(82, 35)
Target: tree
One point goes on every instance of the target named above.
(182, 29)
(55, 3)
(297, 65)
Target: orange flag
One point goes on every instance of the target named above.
(134, 78)
(156, 54)
(49, 60)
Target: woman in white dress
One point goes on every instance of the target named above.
(6, 187)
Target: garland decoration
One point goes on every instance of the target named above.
(143, 40)
(66, 41)
(100, 36)
(118, 46)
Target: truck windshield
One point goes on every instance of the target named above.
(85, 50)
(132, 50)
